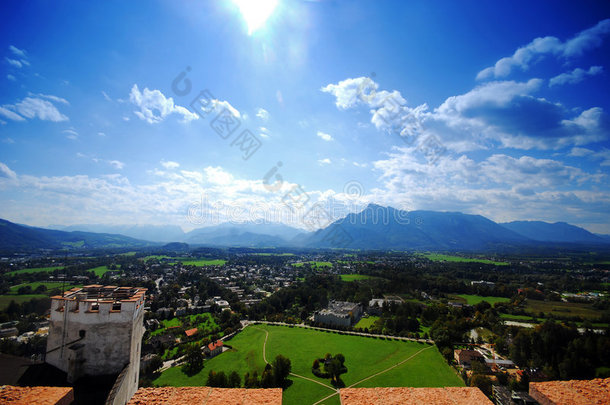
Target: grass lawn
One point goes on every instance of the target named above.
(366, 322)
(475, 299)
(204, 262)
(273, 254)
(206, 324)
(49, 284)
(562, 309)
(354, 277)
(34, 270)
(436, 257)
(314, 264)
(5, 300)
(100, 271)
(156, 257)
(511, 317)
(364, 357)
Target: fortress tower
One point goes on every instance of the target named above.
(97, 330)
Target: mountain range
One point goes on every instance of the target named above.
(375, 227)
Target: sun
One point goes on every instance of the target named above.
(255, 12)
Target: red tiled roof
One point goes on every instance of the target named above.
(36, 395)
(576, 392)
(191, 332)
(415, 396)
(214, 345)
(206, 396)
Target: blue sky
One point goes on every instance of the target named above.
(491, 108)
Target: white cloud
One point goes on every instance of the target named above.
(71, 134)
(326, 137)
(504, 113)
(50, 97)
(580, 152)
(264, 132)
(155, 107)
(325, 161)
(16, 51)
(8, 140)
(6, 113)
(11, 78)
(262, 114)
(6, 172)
(106, 96)
(217, 106)
(575, 76)
(34, 107)
(351, 92)
(116, 164)
(101, 134)
(14, 63)
(169, 164)
(361, 165)
(539, 47)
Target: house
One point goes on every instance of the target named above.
(465, 357)
(191, 332)
(213, 348)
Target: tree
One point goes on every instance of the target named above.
(281, 370)
(153, 365)
(267, 379)
(194, 360)
(234, 380)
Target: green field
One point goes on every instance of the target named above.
(562, 309)
(354, 277)
(273, 254)
(366, 322)
(314, 264)
(5, 300)
(49, 284)
(475, 299)
(34, 270)
(101, 270)
(436, 257)
(421, 365)
(204, 262)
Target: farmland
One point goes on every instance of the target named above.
(314, 264)
(475, 299)
(354, 277)
(34, 270)
(416, 364)
(436, 257)
(204, 262)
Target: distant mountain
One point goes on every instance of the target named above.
(244, 234)
(557, 232)
(14, 237)
(378, 227)
(604, 237)
(155, 233)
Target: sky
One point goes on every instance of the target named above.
(196, 113)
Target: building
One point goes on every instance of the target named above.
(573, 392)
(339, 313)
(206, 396)
(97, 331)
(465, 357)
(504, 396)
(213, 348)
(408, 395)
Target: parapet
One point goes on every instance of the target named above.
(98, 299)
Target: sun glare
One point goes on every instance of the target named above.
(255, 12)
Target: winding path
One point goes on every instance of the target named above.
(336, 391)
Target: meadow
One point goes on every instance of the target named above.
(314, 264)
(414, 364)
(34, 270)
(354, 277)
(475, 299)
(562, 309)
(204, 262)
(436, 257)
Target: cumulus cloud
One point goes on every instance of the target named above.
(262, 114)
(325, 137)
(154, 107)
(325, 161)
(540, 47)
(116, 164)
(40, 107)
(170, 165)
(507, 113)
(575, 76)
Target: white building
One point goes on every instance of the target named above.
(339, 313)
(97, 330)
